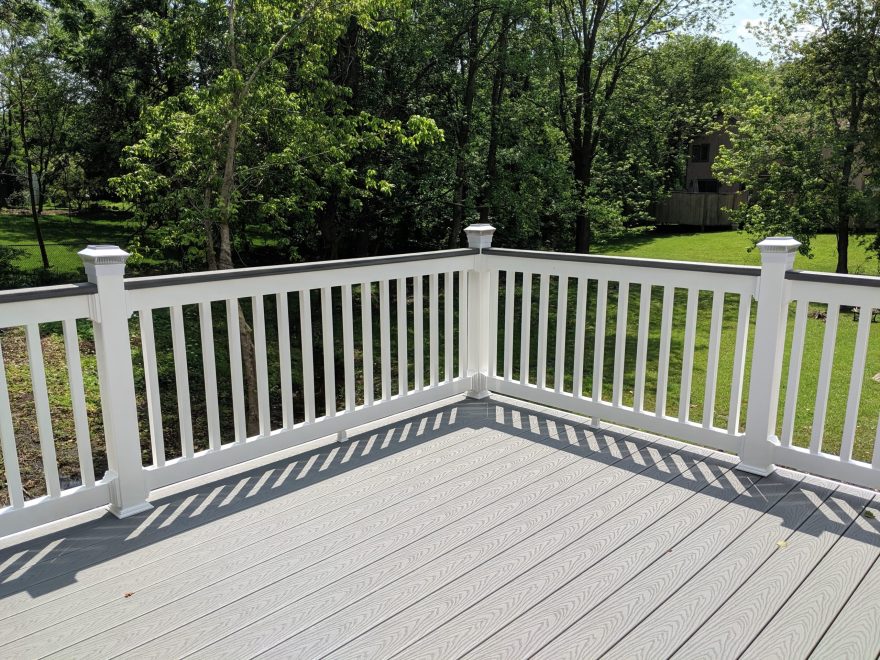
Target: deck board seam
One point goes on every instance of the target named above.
(505, 521)
(318, 454)
(742, 582)
(874, 565)
(504, 549)
(328, 533)
(262, 520)
(597, 560)
(800, 583)
(663, 485)
(708, 561)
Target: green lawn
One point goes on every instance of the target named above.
(731, 248)
(64, 237)
(727, 247)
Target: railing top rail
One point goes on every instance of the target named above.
(288, 269)
(833, 278)
(753, 271)
(45, 292)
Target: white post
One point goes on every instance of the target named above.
(479, 237)
(759, 443)
(105, 267)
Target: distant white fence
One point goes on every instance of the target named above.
(679, 349)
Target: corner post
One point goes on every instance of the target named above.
(479, 237)
(758, 448)
(105, 267)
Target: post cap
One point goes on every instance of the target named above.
(101, 255)
(479, 235)
(779, 245)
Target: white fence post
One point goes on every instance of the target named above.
(479, 236)
(105, 267)
(759, 444)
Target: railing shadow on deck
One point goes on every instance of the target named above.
(47, 563)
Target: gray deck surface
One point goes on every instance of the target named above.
(482, 529)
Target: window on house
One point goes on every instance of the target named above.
(700, 153)
(708, 186)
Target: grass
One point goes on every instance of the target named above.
(731, 247)
(64, 237)
(720, 247)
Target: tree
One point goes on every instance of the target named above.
(265, 134)
(827, 96)
(595, 44)
(41, 98)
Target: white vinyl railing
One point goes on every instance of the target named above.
(209, 370)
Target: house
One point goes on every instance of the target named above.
(705, 200)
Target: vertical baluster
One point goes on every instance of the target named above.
(794, 373)
(367, 340)
(262, 365)
(509, 292)
(308, 366)
(857, 376)
(561, 328)
(620, 342)
(348, 347)
(419, 332)
(447, 326)
(665, 343)
(462, 322)
(7, 443)
(41, 404)
(402, 332)
(209, 368)
(329, 352)
(78, 402)
(875, 458)
(434, 334)
(687, 365)
(642, 346)
(543, 304)
(151, 378)
(580, 322)
(712, 361)
(599, 345)
(825, 370)
(739, 363)
(493, 323)
(385, 338)
(285, 376)
(235, 372)
(525, 347)
(181, 379)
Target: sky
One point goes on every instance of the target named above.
(734, 28)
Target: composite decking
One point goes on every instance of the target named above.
(491, 529)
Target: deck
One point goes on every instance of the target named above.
(484, 529)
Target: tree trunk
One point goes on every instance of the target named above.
(582, 229)
(487, 193)
(843, 190)
(464, 130)
(210, 254)
(246, 333)
(35, 213)
(843, 211)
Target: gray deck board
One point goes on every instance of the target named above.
(497, 593)
(614, 617)
(799, 625)
(314, 538)
(734, 625)
(492, 529)
(481, 565)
